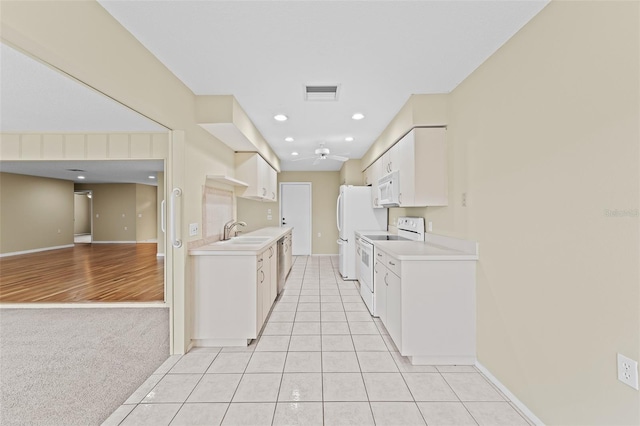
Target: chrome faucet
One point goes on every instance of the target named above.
(228, 227)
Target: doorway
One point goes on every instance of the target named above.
(82, 217)
(295, 211)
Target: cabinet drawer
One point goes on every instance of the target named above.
(381, 257)
(393, 264)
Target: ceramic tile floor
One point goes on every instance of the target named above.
(321, 360)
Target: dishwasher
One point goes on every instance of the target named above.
(281, 271)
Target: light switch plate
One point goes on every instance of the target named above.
(193, 229)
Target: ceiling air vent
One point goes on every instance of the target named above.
(321, 93)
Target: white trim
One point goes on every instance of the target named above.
(159, 254)
(115, 242)
(152, 240)
(16, 253)
(532, 417)
(84, 305)
(320, 254)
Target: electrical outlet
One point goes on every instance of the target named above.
(319, 234)
(269, 217)
(193, 229)
(464, 199)
(628, 371)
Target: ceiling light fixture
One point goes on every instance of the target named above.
(80, 177)
(294, 153)
(288, 139)
(357, 116)
(349, 139)
(280, 117)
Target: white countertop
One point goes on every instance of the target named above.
(225, 248)
(435, 247)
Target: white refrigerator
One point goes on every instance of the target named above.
(354, 213)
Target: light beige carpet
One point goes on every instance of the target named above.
(75, 366)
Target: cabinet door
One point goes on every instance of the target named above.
(375, 175)
(379, 274)
(259, 296)
(273, 281)
(405, 159)
(266, 285)
(394, 309)
(272, 190)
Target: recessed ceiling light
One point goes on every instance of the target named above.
(151, 177)
(349, 139)
(288, 139)
(280, 117)
(294, 153)
(80, 177)
(357, 116)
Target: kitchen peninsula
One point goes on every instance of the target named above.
(236, 283)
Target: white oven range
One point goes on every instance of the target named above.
(409, 229)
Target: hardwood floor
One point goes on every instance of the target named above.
(84, 273)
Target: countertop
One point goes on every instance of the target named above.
(417, 250)
(435, 247)
(224, 248)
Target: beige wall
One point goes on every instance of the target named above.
(81, 214)
(543, 138)
(117, 206)
(351, 173)
(114, 209)
(146, 213)
(35, 213)
(325, 187)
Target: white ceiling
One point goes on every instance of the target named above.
(379, 52)
(112, 171)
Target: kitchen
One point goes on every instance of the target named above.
(535, 245)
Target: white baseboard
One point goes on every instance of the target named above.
(16, 253)
(509, 394)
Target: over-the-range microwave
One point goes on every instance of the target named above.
(389, 189)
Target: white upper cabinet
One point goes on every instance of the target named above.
(420, 157)
(371, 176)
(258, 174)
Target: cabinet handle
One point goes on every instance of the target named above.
(262, 280)
(385, 278)
(270, 252)
(379, 254)
(390, 165)
(400, 198)
(358, 250)
(264, 192)
(375, 268)
(273, 195)
(391, 263)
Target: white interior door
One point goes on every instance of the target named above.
(295, 211)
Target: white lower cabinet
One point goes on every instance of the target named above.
(233, 296)
(428, 307)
